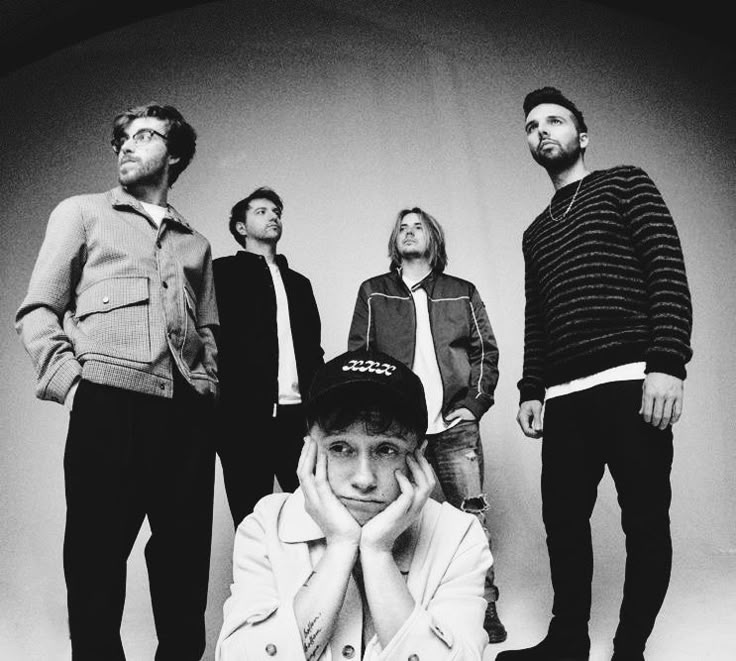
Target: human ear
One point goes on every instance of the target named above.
(240, 228)
(583, 139)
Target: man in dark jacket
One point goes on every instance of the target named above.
(269, 349)
(437, 325)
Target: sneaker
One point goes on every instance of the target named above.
(493, 625)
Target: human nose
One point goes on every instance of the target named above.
(364, 477)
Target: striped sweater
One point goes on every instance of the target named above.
(605, 283)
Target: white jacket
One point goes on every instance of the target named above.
(276, 548)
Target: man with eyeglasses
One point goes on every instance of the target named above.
(119, 321)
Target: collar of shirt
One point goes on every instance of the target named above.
(121, 198)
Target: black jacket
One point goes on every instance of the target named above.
(247, 341)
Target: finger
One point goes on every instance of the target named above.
(647, 403)
(425, 469)
(666, 414)
(406, 498)
(416, 496)
(320, 469)
(303, 454)
(417, 476)
(676, 410)
(305, 467)
(657, 411)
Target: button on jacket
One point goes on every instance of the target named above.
(118, 301)
(278, 545)
(385, 319)
(247, 337)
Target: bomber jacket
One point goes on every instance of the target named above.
(279, 544)
(247, 338)
(385, 319)
(119, 301)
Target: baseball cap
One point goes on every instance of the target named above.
(367, 369)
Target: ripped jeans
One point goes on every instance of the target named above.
(456, 455)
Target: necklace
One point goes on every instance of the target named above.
(569, 206)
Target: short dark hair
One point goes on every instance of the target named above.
(553, 95)
(181, 138)
(237, 213)
(378, 412)
(437, 251)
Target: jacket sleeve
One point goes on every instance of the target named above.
(359, 336)
(39, 320)
(531, 384)
(483, 357)
(258, 623)
(657, 244)
(450, 626)
(207, 315)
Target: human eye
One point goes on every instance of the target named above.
(386, 450)
(144, 135)
(339, 449)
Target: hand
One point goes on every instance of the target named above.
(462, 413)
(529, 418)
(320, 501)
(661, 399)
(382, 531)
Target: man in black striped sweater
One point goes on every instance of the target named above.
(607, 337)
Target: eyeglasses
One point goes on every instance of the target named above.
(141, 136)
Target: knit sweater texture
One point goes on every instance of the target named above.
(605, 283)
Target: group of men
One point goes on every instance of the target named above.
(151, 344)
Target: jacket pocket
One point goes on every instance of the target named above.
(112, 319)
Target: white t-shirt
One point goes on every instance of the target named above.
(156, 212)
(425, 364)
(288, 376)
(626, 372)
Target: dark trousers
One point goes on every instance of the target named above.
(583, 433)
(129, 456)
(253, 450)
(456, 455)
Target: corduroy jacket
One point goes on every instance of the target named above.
(247, 338)
(118, 301)
(385, 319)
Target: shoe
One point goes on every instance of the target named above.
(493, 625)
(622, 656)
(544, 651)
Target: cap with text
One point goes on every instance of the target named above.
(377, 369)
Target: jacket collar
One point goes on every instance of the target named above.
(252, 257)
(120, 198)
(427, 282)
(295, 525)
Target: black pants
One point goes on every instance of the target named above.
(129, 456)
(583, 433)
(254, 450)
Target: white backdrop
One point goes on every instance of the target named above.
(351, 111)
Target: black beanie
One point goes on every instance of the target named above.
(553, 95)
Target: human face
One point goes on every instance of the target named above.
(145, 163)
(262, 221)
(361, 468)
(413, 238)
(553, 137)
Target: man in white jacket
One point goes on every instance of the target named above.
(359, 562)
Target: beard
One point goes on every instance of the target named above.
(137, 173)
(556, 160)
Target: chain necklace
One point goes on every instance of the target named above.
(569, 206)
